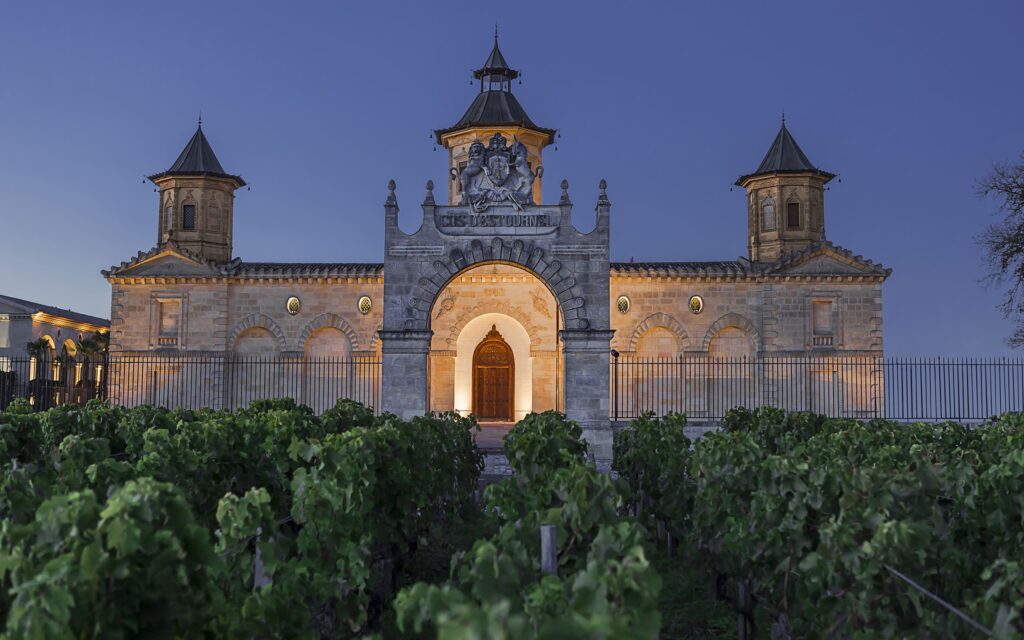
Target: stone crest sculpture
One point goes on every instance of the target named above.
(497, 174)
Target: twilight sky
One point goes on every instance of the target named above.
(317, 105)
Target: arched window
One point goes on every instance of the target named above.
(188, 216)
(792, 215)
(768, 214)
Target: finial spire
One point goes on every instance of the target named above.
(391, 199)
(783, 117)
(495, 31)
(200, 119)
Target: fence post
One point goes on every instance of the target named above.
(548, 549)
(615, 384)
(259, 577)
(744, 618)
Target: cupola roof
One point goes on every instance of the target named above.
(495, 105)
(198, 159)
(785, 156)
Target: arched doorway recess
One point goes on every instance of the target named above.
(494, 378)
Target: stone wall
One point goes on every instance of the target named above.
(775, 314)
(214, 315)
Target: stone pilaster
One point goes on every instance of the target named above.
(404, 353)
(585, 353)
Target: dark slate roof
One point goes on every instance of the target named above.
(257, 269)
(713, 268)
(240, 268)
(743, 267)
(496, 65)
(494, 108)
(74, 316)
(785, 156)
(198, 159)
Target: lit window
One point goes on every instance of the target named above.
(793, 215)
(768, 214)
(188, 216)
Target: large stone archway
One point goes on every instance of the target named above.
(541, 239)
(527, 314)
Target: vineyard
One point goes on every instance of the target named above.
(274, 522)
(811, 527)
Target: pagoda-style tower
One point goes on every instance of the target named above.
(494, 110)
(785, 201)
(197, 201)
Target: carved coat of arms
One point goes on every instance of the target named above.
(497, 174)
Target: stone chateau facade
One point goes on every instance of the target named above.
(497, 304)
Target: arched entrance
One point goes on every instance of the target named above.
(494, 378)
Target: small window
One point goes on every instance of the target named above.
(188, 216)
(821, 318)
(793, 215)
(768, 214)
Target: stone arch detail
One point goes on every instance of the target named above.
(329, 320)
(258, 320)
(659, 320)
(375, 338)
(736, 321)
(503, 308)
(558, 278)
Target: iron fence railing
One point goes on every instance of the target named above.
(51, 382)
(190, 380)
(929, 389)
(968, 389)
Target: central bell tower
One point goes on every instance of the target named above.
(495, 110)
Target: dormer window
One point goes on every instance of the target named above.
(768, 214)
(188, 217)
(793, 215)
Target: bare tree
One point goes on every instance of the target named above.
(1003, 240)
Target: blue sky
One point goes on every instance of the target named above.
(317, 105)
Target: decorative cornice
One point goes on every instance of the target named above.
(826, 247)
(58, 321)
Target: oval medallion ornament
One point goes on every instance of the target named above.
(696, 304)
(623, 304)
(364, 305)
(293, 306)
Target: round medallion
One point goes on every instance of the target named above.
(623, 304)
(293, 305)
(364, 305)
(696, 304)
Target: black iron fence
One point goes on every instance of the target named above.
(51, 382)
(190, 380)
(968, 389)
(704, 388)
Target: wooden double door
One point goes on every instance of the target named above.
(494, 378)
